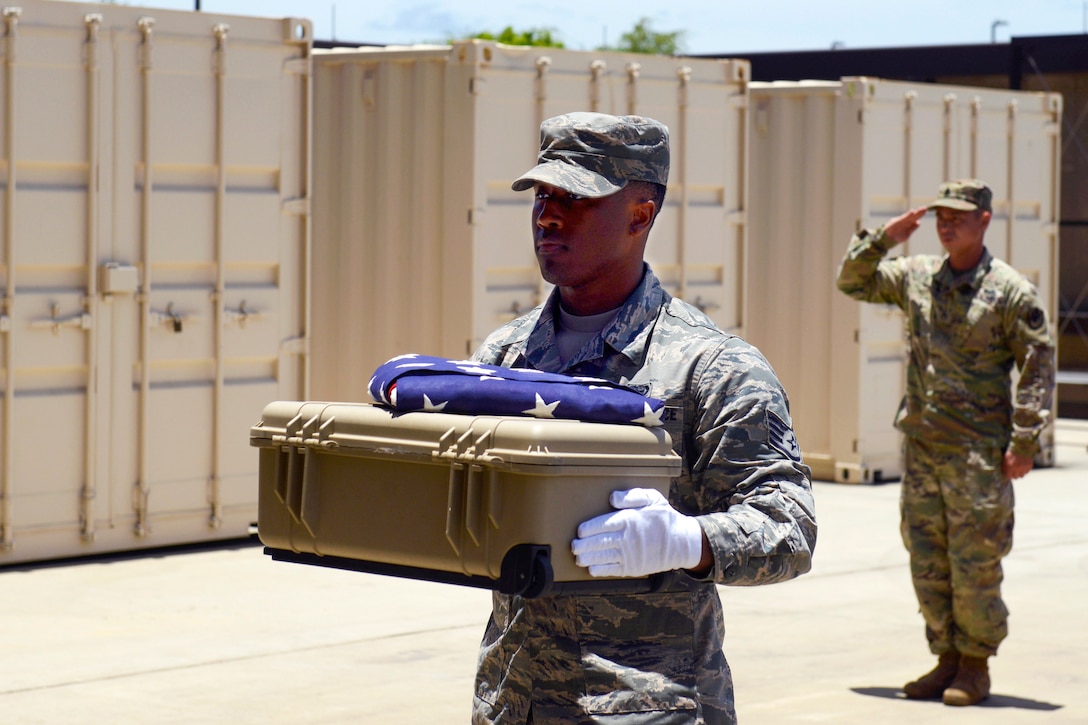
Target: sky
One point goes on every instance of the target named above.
(708, 27)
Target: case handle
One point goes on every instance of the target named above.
(282, 464)
(474, 498)
(455, 507)
(308, 497)
(292, 487)
(494, 498)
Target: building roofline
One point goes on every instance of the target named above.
(1022, 54)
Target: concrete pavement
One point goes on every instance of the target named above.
(224, 635)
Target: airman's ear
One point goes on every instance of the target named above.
(642, 216)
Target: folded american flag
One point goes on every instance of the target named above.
(435, 384)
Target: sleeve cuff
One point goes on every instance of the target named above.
(1024, 447)
(881, 240)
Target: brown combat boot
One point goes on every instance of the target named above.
(934, 682)
(972, 683)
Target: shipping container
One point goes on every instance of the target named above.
(829, 158)
(419, 243)
(154, 168)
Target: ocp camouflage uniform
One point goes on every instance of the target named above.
(641, 658)
(965, 332)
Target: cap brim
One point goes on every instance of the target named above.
(571, 178)
(957, 204)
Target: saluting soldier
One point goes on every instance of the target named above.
(970, 318)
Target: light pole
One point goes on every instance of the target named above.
(993, 29)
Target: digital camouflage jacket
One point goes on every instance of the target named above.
(657, 657)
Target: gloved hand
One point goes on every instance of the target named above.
(644, 536)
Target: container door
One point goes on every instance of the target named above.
(155, 241)
(211, 189)
(51, 119)
(380, 121)
(793, 253)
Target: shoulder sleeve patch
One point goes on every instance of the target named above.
(781, 438)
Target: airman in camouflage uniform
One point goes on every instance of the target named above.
(969, 319)
(641, 658)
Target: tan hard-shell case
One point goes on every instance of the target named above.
(479, 497)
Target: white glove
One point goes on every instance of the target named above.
(645, 536)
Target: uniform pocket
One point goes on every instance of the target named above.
(498, 676)
(637, 653)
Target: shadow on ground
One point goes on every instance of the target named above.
(994, 701)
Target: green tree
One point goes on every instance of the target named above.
(643, 39)
(540, 37)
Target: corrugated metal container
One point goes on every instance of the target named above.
(419, 243)
(153, 238)
(828, 158)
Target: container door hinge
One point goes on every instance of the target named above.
(738, 71)
(297, 205)
(298, 66)
(295, 346)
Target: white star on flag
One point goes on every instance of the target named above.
(430, 407)
(649, 418)
(542, 409)
(474, 370)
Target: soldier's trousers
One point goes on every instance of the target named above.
(956, 521)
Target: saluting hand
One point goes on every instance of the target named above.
(900, 228)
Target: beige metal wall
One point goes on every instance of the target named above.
(153, 238)
(419, 243)
(830, 157)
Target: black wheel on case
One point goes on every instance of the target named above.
(527, 570)
(543, 576)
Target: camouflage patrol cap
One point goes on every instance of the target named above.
(964, 195)
(595, 155)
